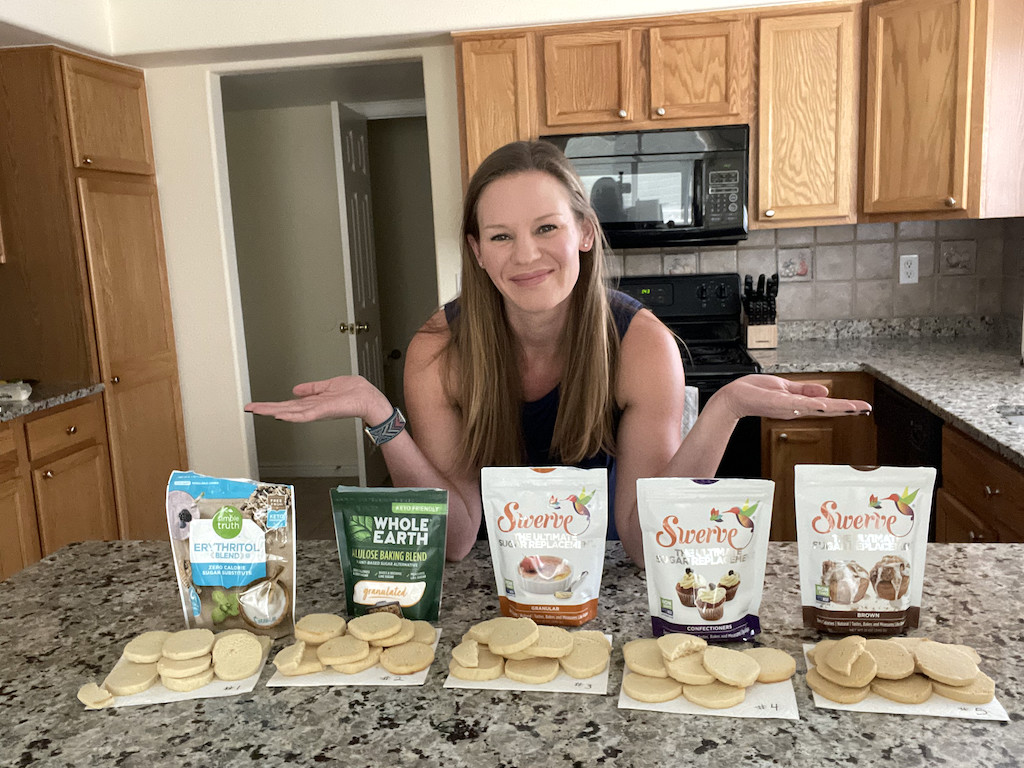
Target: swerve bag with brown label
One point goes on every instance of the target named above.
(547, 528)
(705, 548)
(391, 543)
(233, 543)
(862, 536)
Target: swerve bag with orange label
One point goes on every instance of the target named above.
(546, 527)
(862, 535)
(705, 547)
(391, 544)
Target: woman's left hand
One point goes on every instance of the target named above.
(777, 398)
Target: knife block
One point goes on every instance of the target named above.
(762, 336)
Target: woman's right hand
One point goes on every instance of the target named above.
(338, 398)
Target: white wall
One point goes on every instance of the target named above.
(284, 199)
(78, 23)
(188, 140)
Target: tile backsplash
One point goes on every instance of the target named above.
(967, 269)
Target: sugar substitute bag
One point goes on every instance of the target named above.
(547, 528)
(705, 547)
(233, 543)
(862, 536)
(391, 543)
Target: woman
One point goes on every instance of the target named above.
(536, 358)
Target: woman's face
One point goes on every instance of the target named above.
(530, 240)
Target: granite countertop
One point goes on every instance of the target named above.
(47, 396)
(64, 620)
(970, 382)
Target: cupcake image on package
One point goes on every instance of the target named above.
(705, 547)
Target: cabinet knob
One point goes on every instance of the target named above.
(769, 213)
(48, 474)
(116, 380)
(783, 437)
(86, 161)
(950, 202)
(72, 429)
(660, 111)
(988, 492)
(623, 113)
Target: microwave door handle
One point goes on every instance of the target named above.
(697, 193)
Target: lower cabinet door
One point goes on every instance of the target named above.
(19, 546)
(956, 523)
(789, 444)
(75, 499)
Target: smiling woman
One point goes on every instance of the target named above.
(539, 362)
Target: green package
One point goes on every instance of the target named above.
(391, 543)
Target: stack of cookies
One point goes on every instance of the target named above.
(526, 652)
(710, 676)
(323, 640)
(182, 661)
(903, 669)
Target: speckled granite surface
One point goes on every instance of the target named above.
(47, 396)
(63, 622)
(970, 382)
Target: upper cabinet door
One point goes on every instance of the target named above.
(495, 95)
(807, 115)
(700, 70)
(917, 105)
(588, 77)
(107, 116)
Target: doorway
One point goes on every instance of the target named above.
(290, 234)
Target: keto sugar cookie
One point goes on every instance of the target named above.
(837, 693)
(650, 689)
(776, 665)
(644, 657)
(536, 670)
(188, 643)
(731, 667)
(716, 695)
(128, 678)
(146, 648)
(317, 628)
(374, 626)
(407, 658)
(913, 689)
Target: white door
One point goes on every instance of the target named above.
(360, 330)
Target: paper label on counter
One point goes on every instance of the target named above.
(763, 700)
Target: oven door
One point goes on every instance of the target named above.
(742, 456)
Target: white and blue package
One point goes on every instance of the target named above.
(233, 543)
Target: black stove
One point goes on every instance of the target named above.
(705, 314)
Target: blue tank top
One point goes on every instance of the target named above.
(538, 416)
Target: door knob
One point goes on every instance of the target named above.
(395, 354)
(353, 328)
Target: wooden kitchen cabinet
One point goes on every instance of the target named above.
(943, 98)
(984, 493)
(496, 103)
(786, 443)
(19, 546)
(86, 278)
(588, 78)
(807, 117)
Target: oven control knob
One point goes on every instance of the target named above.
(702, 293)
(723, 291)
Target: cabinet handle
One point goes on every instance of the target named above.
(623, 113)
(86, 161)
(950, 202)
(72, 429)
(783, 437)
(48, 474)
(116, 380)
(988, 493)
(769, 213)
(660, 111)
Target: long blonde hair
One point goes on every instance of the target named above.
(484, 377)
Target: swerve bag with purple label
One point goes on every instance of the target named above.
(705, 547)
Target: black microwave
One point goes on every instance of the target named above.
(665, 188)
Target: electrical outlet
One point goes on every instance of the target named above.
(908, 269)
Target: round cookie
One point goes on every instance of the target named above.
(945, 664)
(644, 657)
(424, 632)
(406, 632)
(317, 628)
(731, 667)
(309, 663)
(980, 691)
(489, 667)
(237, 657)
(188, 643)
(716, 695)
(372, 657)
(689, 670)
(551, 643)
(481, 632)
(842, 656)
(822, 647)
(837, 693)
(146, 648)
(861, 673)
(407, 658)
(128, 678)
(969, 651)
(94, 697)
(288, 659)
(345, 649)
(265, 641)
(913, 689)
(910, 643)
(187, 684)
(650, 689)
(467, 653)
(540, 669)
(588, 657)
(894, 661)
(513, 635)
(179, 668)
(374, 626)
(776, 665)
(675, 644)
(592, 635)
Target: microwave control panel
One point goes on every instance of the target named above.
(725, 185)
